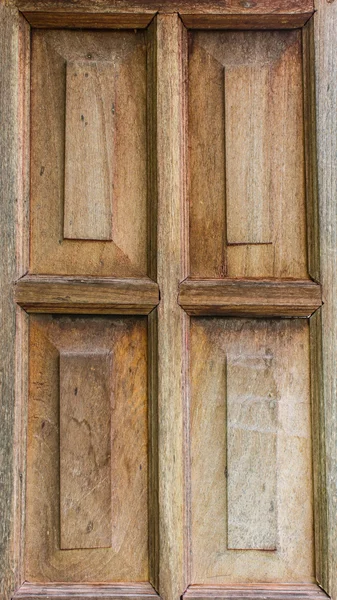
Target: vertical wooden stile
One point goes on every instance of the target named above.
(325, 31)
(172, 321)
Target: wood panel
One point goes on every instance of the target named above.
(326, 91)
(245, 21)
(189, 6)
(120, 133)
(241, 150)
(85, 450)
(89, 145)
(250, 298)
(269, 592)
(86, 295)
(122, 591)
(272, 399)
(61, 20)
(126, 558)
(251, 430)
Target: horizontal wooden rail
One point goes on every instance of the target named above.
(123, 591)
(246, 21)
(41, 294)
(56, 20)
(254, 591)
(247, 298)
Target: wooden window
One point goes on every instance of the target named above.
(168, 300)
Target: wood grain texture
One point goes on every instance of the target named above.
(122, 591)
(268, 592)
(80, 295)
(213, 342)
(250, 298)
(64, 20)
(85, 450)
(172, 322)
(218, 180)
(127, 558)
(185, 6)
(126, 255)
(245, 21)
(14, 148)
(89, 149)
(326, 92)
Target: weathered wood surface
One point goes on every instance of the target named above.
(326, 89)
(14, 148)
(56, 20)
(78, 295)
(281, 346)
(172, 322)
(185, 6)
(85, 450)
(251, 591)
(229, 164)
(250, 298)
(51, 253)
(121, 591)
(245, 21)
(127, 557)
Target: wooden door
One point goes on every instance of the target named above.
(170, 420)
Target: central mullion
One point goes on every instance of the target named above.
(172, 320)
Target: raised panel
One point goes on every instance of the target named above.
(251, 457)
(89, 188)
(85, 450)
(246, 155)
(87, 498)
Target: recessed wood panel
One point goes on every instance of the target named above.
(87, 450)
(88, 153)
(246, 156)
(251, 472)
(89, 144)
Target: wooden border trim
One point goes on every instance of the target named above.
(131, 591)
(86, 296)
(72, 20)
(245, 21)
(250, 298)
(256, 591)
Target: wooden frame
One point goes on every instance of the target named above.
(169, 577)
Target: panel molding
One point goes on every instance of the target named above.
(86, 295)
(251, 591)
(61, 591)
(249, 298)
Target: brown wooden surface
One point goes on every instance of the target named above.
(122, 591)
(280, 348)
(126, 255)
(185, 6)
(229, 164)
(326, 93)
(268, 592)
(57, 20)
(250, 298)
(78, 295)
(127, 557)
(244, 21)
(85, 450)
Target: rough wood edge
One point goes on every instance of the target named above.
(256, 591)
(245, 21)
(123, 591)
(89, 296)
(78, 20)
(250, 298)
(310, 150)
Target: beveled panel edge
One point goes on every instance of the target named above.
(41, 294)
(77, 20)
(272, 20)
(250, 591)
(249, 298)
(77, 591)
